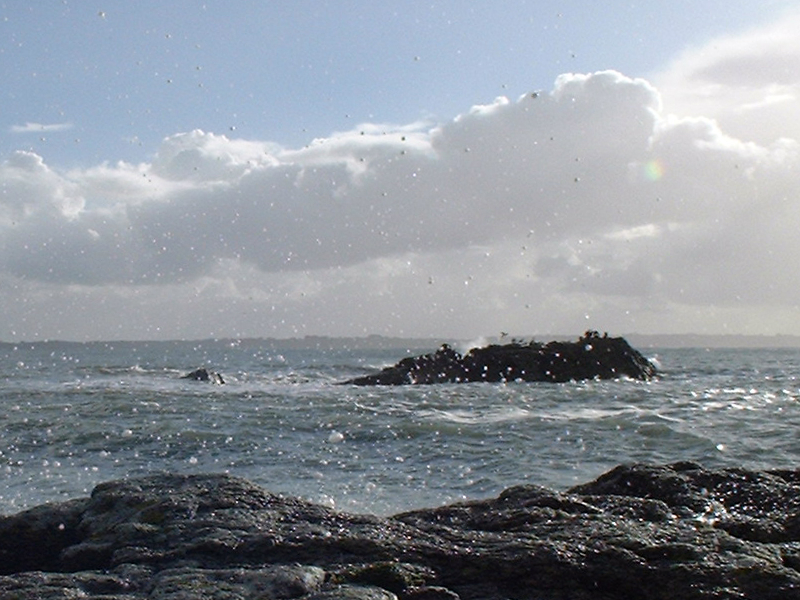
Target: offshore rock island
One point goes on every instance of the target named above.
(591, 357)
(639, 531)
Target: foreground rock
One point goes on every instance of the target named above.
(591, 357)
(657, 532)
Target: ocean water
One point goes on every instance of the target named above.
(73, 415)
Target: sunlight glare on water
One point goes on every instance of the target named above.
(79, 414)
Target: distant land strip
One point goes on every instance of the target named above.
(637, 340)
(380, 342)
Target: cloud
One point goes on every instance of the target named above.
(749, 83)
(40, 128)
(591, 205)
(500, 170)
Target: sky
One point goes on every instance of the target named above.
(192, 170)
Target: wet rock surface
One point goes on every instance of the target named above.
(204, 374)
(590, 357)
(640, 531)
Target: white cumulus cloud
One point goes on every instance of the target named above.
(749, 83)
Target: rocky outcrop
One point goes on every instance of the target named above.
(657, 532)
(591, 357)
(204, 374)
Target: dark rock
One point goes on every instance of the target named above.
(204, 375)
(35, 538)
(591, 357)
(353, 592)
(661, 532)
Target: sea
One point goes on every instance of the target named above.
(73, 415)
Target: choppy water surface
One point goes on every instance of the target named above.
(73, 415)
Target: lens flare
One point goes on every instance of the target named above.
(654, 170)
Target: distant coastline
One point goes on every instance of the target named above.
(637, 340)
(691, 340)
(380, 342)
